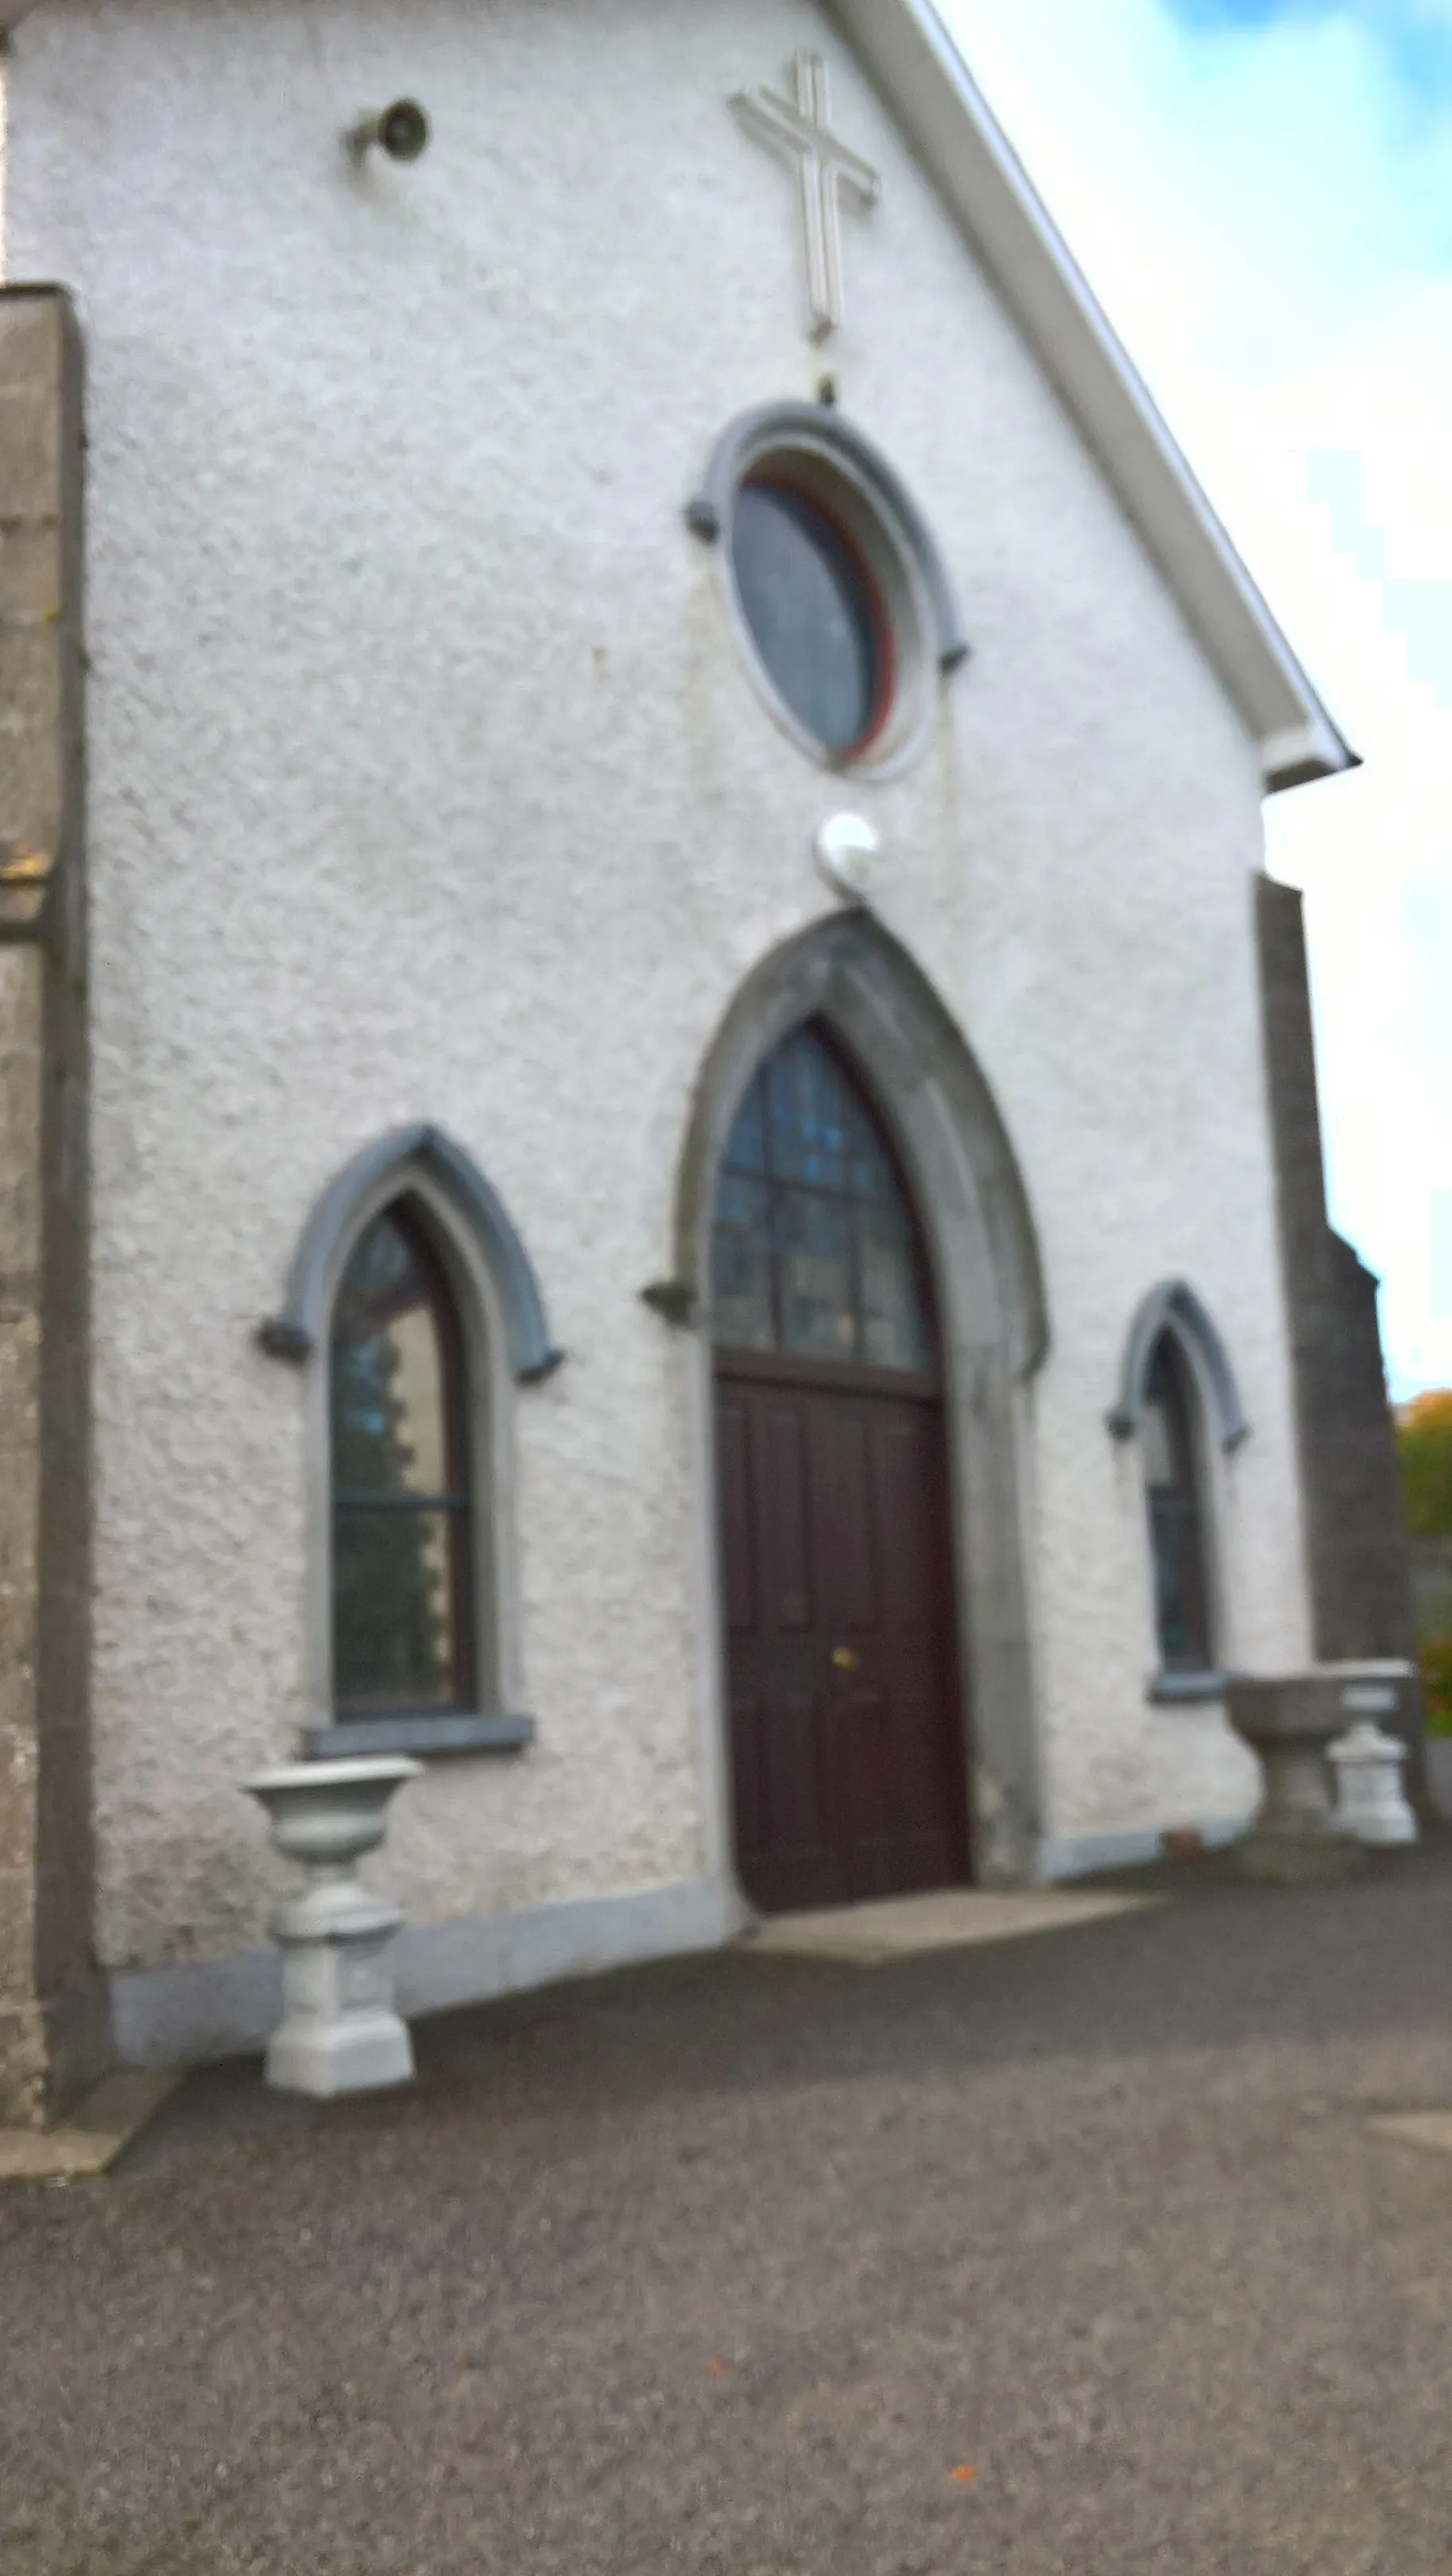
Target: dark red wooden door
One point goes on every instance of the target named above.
(846, 1734)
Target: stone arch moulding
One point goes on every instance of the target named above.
(300, 1326)
(971, 1202)
(927, 1084)
(772, 426)
(1174, 1307)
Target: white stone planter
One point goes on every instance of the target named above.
(1289, 1720)
(1368, 1761)
(340, 2031)
(1369, 1798)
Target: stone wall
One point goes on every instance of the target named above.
(52, 2022)
(1360, 1567)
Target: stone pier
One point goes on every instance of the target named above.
(53, 2030)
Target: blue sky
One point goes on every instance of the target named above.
(1418, 40)
(1260, 192)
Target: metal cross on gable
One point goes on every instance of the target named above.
(801, 130)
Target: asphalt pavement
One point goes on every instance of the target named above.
(1075, 2255)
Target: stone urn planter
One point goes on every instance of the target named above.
(340, 2031)
(1290, 1722)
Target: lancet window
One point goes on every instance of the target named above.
(1169, 1446)
(402, 1505)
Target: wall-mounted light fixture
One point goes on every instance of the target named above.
(847, 849)
(401, 131)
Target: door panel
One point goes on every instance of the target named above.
(908, 1486)
(738, 1555)
(848, 1500)
(847, 1749)
(784, 1513)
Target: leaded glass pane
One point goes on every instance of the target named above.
(1172, 1537)
(1181, 1592)
(746, 1151)
(810, 1115)
(1157, 1445)
(818, 1288)
(389, 1429)
(815, 1248)
(396, 1600)
(808, 599)
(400, 1502)
(742, 1277)
(894, 1326)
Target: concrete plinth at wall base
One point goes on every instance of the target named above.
(192, 2014)
(91, 2140)
(1280, 1859)
(1062, 1856)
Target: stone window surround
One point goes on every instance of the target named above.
(506, 1344)
(1173, 1306)
(983, 1256)
(878, 513)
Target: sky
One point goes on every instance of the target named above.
(1260, 193)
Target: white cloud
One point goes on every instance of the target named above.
(1267, 217)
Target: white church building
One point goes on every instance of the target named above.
(641, 1144)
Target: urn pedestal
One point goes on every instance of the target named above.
(340, 2031)
(1369, 1761)
(1369, 1801)
(1290, 1721)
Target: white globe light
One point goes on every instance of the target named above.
(847, 847)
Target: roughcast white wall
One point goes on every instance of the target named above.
(427, 782)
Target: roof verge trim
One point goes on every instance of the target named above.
(917, 67)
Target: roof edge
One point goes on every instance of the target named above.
(916, 65)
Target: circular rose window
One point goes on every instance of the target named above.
(814, 611)
(840, 597)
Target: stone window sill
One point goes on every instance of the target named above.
(422, 1735)
(1186, 1690)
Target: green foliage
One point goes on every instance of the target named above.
(1436, 1661)
(1424, 1448)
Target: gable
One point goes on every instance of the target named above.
(725, 292)
(919, 71)
(924, 80)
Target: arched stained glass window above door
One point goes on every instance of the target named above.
(815, 1250)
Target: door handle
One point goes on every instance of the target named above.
(846, 1659)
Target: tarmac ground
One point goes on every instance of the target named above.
(1073, 2255)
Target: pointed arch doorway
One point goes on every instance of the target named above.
(845, 1712)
